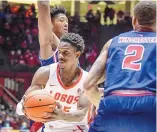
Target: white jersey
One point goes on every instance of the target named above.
(68, 98)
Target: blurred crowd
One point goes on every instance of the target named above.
(109, 14)
(9, 120)
(19, 34)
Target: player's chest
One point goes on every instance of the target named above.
(68, 96)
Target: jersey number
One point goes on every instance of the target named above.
(133, 56)
(66, 109)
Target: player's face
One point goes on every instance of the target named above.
(67, 55)
(60, 24)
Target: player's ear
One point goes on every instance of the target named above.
(78, 53)
(134, 21)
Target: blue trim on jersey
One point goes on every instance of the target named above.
(47, 62)
(51, 60)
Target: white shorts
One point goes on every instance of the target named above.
(67, 129)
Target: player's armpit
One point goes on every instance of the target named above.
(101, 90)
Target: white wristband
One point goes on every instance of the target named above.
(19, 108)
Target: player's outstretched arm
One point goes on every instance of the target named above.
(47, 39)
(96, 75)
(39, 79)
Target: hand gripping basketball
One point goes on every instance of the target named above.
(37, 103)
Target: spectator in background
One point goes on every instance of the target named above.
(76, 17)
(127, 18)
(33, 8)
(1, 40)
(23, 44)
(90, 16)
(12, 57)
(111, 15)
(24, 127)
(106, 13)
(120, 17)
(98, 16)
(22, 9)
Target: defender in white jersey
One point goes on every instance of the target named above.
(64, 80)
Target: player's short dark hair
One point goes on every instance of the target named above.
(145, 12)
(75, 40)
(57, 10)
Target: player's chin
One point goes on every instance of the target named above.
(61, 65)
(65, 31)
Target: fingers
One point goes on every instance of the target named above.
(59, 106)
(48, 114)
(24, 97)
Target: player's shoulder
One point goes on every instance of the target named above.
(85, 73)
(47, 68)
(54, 65)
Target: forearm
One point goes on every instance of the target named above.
(44, 23)
(44, 14)
(32, 88)
(94, 95)
(75, 116)
(95, 75)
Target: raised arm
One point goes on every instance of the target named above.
(96, 75)
(47, 39)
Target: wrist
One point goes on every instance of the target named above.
(64, 116)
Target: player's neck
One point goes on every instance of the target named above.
(141, 28)
(69, 76)
(58, 35)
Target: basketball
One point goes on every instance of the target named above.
(37, 103)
